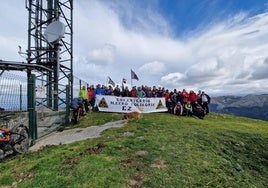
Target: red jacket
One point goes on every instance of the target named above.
(90, 94)
(166, 96)
(185, 96)
(133, 93)
(192, 96)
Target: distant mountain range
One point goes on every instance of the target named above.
(252, 106)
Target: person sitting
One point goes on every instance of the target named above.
(169, 104)
(178, 109)
(188, 108)
(173, 101)
(198, 111)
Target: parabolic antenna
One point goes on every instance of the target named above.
(54, 31)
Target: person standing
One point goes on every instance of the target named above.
(199, 99)
(126, 92)
(140, 93)
(205, 101)
(133, 92)
(124, 84)
(117, 91)
(99, 90)
(91, 99)
(83, 93)
(192, 97)
(185, 96)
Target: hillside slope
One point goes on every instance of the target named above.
(252, 106)
(158, 150)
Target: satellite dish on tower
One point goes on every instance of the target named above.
(54, 31)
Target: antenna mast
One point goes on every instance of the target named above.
(55, 55)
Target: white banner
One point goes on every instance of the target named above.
(108, 103)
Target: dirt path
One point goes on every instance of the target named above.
(73, 135)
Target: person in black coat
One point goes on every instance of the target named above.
(205, 101)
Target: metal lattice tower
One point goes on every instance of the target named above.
(57, 57)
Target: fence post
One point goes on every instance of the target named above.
(67, 113)
(20, 97)
(32, 109)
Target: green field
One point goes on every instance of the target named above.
(159, 150)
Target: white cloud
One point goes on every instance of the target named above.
(103, 55)
(13, 30)
(173, 79)
(225, 53)
(154, 68)
(260, 71)
(112, 37)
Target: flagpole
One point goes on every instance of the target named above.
(131, 78)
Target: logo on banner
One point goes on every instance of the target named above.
(103, 103)
(160, 105)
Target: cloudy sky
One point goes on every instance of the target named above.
(220, 46)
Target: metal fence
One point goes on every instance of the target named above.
(13, 92)
(43, 121)
(77, 85)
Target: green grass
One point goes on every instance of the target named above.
(159, 150)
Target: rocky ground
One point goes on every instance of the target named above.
(73, 135)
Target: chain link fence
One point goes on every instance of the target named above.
(13, 92)
(77, 85)
(13, 99)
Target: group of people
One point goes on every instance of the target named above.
(177, 102)
(188, 103)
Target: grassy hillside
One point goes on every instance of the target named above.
(159, 150)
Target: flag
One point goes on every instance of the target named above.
(134, 75)
(110, 81)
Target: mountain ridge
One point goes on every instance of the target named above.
(251, 106)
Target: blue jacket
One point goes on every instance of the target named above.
(76, 103)
(99, 91)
